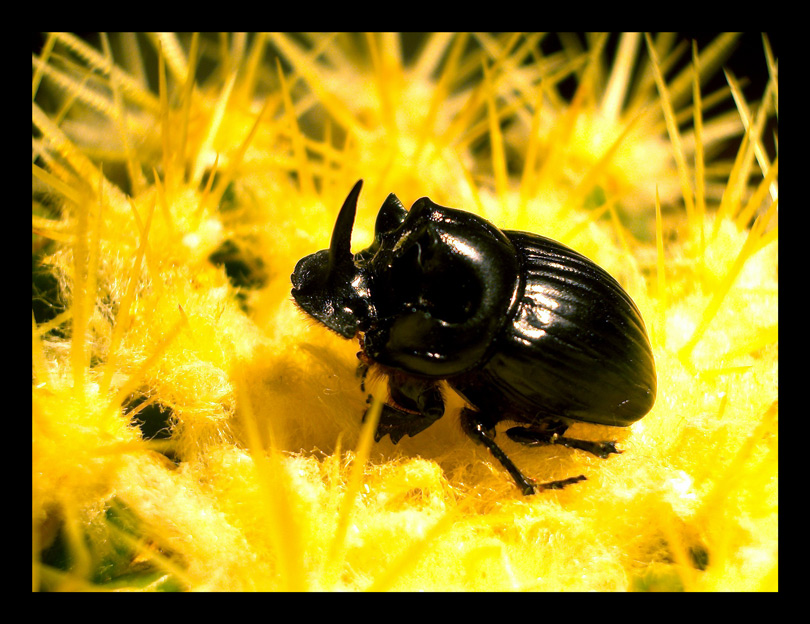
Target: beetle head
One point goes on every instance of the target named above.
(328, 285)
(430, 294)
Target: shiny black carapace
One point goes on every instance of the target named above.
(522, 327)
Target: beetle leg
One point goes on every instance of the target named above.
(482, 432)
(417, 404)
(364, 365)
(477, 426)
(362, 372)
(537, 435)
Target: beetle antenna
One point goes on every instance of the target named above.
(340, 245)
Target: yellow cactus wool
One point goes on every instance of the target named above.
(193, 430)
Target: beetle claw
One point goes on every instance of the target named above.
(607, 447)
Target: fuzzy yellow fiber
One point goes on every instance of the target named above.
(178, 179)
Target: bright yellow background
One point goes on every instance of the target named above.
(266, 482)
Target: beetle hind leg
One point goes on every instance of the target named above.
(551, 432)
(478, 427)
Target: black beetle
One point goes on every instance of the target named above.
(522, 327)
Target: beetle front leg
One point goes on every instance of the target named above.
(417, 404)
(362, 370)
(551, 432)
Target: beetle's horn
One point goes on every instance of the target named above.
(340, 246)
